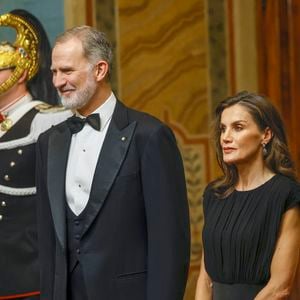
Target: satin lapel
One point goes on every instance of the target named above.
(59, 144)
(112, 155)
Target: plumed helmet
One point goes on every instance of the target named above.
(23, 54)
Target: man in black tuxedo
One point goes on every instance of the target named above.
(113, 213)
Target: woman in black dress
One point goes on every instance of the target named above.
(251, 231)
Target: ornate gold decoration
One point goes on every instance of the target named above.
(23, 55)
(47, 108)
(6, 124)
(43, 106)
(8, 56)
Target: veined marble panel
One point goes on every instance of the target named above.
(163, 59)
(163, 69)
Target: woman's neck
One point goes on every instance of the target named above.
(250, 177)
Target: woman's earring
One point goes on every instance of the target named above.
(264, 149)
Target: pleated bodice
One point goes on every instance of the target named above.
(240, 231)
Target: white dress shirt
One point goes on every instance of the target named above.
(83, 156)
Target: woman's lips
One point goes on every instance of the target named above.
(228, 150)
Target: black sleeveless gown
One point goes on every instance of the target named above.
(240, 233)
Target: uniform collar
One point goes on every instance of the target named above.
(23, 100)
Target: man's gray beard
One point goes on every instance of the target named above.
(81, 97)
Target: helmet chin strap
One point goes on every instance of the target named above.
(12, 80)
(4, 109)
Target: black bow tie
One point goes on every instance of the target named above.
(76, 124)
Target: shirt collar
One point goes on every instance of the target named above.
(105, 110)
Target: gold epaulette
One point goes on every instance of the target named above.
(46, 108)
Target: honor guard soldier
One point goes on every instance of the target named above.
(23, 117)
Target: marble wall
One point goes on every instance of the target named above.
(163, 59)
(170, 66)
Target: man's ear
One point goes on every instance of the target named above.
(23, 78)
(101, 70)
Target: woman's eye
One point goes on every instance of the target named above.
(238, 128)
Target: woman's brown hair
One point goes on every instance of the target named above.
(277, 157)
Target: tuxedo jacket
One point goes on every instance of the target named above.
(135, 242)
(19, 267)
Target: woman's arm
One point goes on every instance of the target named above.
(285, 258)
(296, 288)
(204, 284)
